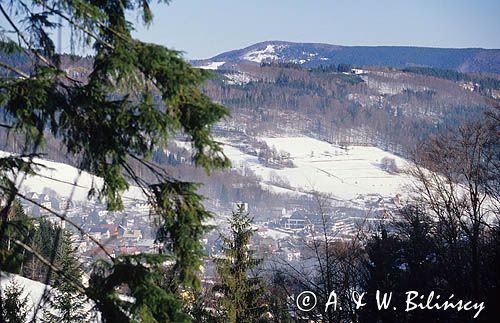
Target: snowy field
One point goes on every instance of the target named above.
(67, 181)
(212, 65)
(320, 166)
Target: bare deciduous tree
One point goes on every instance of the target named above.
(457, 180)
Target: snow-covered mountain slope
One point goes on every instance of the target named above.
(323, 167)
(314, 54)
(67, 181)
(260, 55)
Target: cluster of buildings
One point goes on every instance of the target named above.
(280, 235)
(285, 233)
(125, 232)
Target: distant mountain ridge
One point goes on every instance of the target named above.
(315, 54)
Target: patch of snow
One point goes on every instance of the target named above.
(266, 54)
(280, 190)
(274, 234)
(33, 290)
(212, 65)
(239, 158)
(238, 78)
(358, 71)
(183, 144)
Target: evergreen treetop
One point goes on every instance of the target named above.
(242, 291)
(66, 303)
(13, 305)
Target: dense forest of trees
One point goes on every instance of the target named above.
(485, 83)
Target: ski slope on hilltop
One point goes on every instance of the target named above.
(323, 167)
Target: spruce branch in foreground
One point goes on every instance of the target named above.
(136, 98)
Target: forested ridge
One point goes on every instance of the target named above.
(391, 109)
(458, 59)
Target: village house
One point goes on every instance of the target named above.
(99, 233)
(296, 221)
(130, 234)
(45, 201)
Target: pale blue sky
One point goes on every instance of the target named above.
(203, 28)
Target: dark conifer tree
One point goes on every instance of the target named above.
(14, 226)
(44, 239)
(243, 294)
(384, 272)
(14, 307)
(66, 304)
(278, 298)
